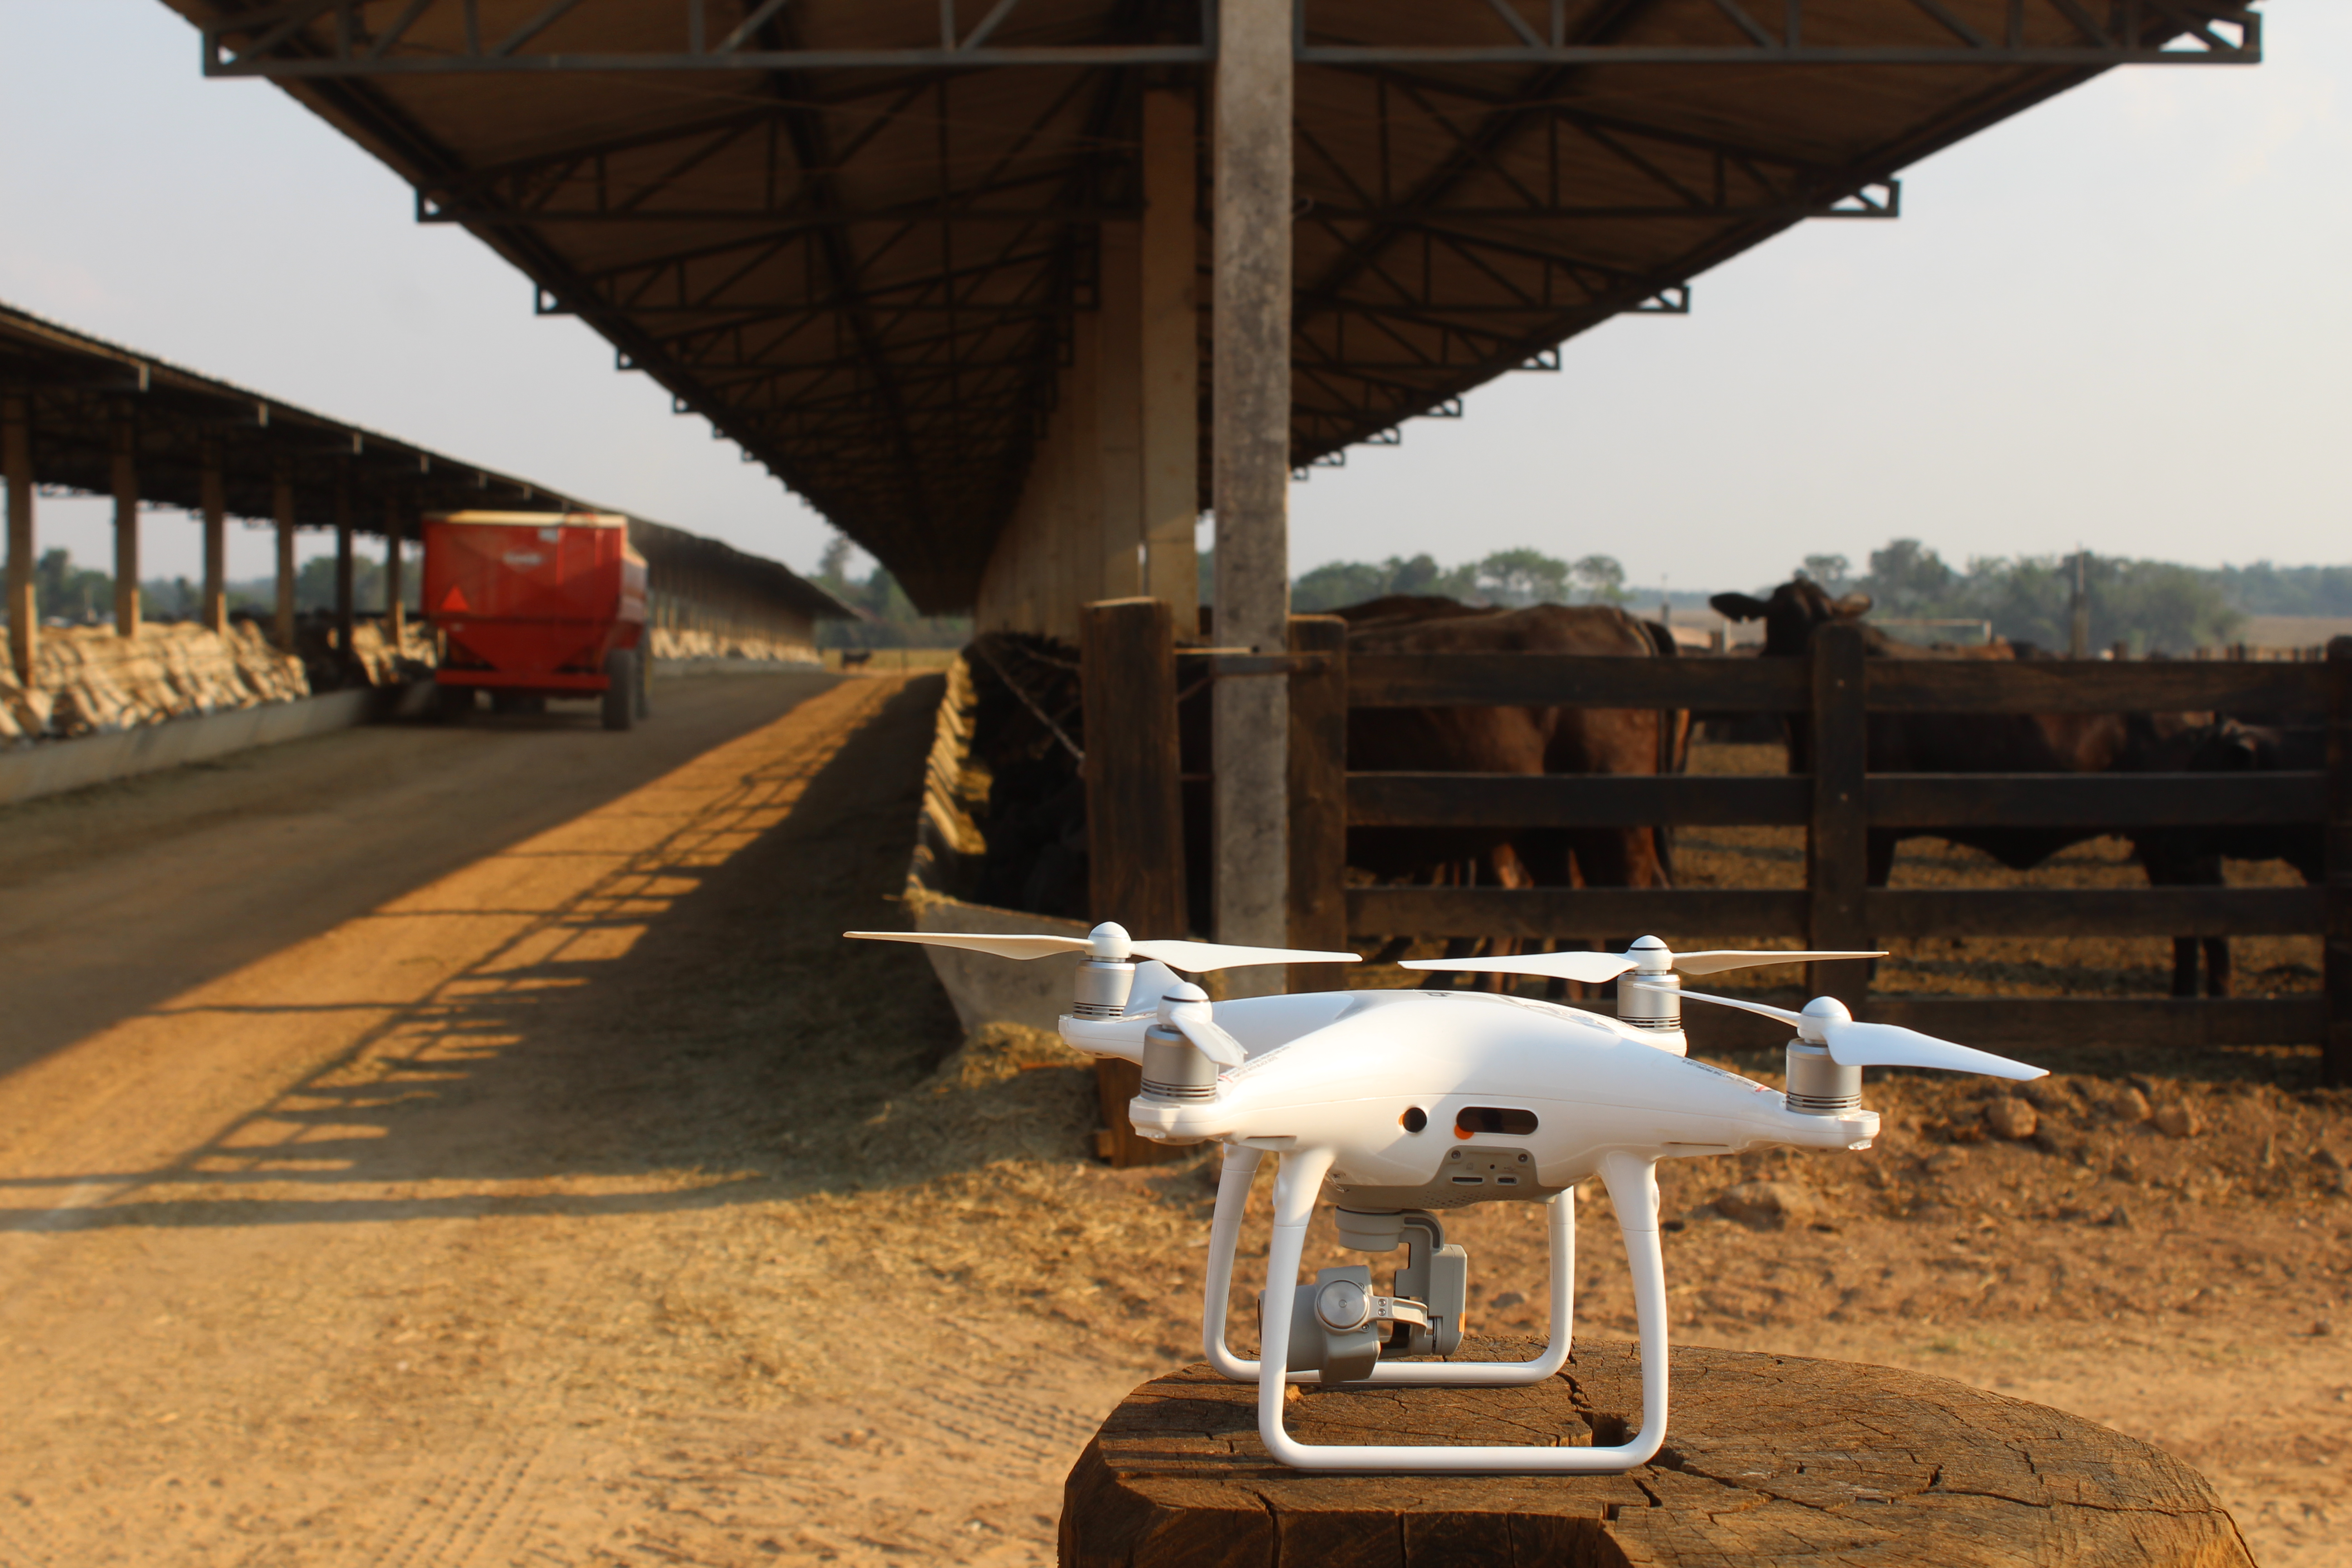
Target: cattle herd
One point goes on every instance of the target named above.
(1027, 737)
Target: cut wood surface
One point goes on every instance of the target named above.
(1768, 1460)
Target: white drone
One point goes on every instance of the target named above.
(1398, 1104)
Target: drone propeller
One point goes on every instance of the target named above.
(1597, 968)
(1108, 943)
(1185, 1009)
(1827, 1024)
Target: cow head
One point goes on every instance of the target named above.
(1792, 612)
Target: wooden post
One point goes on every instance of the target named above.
(282, 505)
(212, 498)
(1251, 400)
(24, 602)
(395, 591)
(1119, 418)
(346, 567)
(1135, 813)
(2336, 1061)
(1837, 848)
(1169, 342)
(1135, 836)
(126, 527)
(1319, 798)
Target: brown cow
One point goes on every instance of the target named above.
(1984, 743)
(1508, 740)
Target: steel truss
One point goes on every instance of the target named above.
(873, 289)
(312, 39)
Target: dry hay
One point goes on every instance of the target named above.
(88, 680)
(697, 642)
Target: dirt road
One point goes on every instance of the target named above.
(471, 1226)
(529, 1175)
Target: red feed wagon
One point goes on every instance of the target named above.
(536, 605)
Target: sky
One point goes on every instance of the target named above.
(2116, 322)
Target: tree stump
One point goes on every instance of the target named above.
(1768, 1460)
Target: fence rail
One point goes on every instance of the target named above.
(1785, 685)
(1892, 800)
(1839, 804)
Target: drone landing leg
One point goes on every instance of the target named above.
(1634, 1192)
(1224, 1240)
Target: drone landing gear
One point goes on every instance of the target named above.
(1632, 1191)
(1423, 1275)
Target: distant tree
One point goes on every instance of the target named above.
(62, 591)
(1829, 571)
(1602, 579)
(1523, 576)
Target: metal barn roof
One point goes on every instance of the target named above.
(853, 233)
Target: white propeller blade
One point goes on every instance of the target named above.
(1001, 946)
(1731, 958)
(1857, 1045)
(1593, 968)
(1186, 1010)
(1197, 956)
(1854, 1045)
(1596, 968)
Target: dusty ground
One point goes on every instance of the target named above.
(562, 1191)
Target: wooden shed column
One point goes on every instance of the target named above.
(24, 603)
(1169, 373)
(282, 507)
(1118, 411)
(213, 500)
(395, 592)
(126, 528)
(346, 567)
(1251, 434)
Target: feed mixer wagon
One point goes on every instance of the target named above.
(531, 605)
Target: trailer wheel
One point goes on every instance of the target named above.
(620, 689)
(452, 703)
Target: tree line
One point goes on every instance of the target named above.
(2155, 606)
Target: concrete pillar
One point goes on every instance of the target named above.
(1119, 418)
(1251, 391)
(212, 498)
(23, 607)
(346, 567)
(1169, 372)
(126, 528)
(282, 509)
(396, 543)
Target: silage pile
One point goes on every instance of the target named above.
(695, 642)
(89, 681)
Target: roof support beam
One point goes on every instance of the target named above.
(1250, 403)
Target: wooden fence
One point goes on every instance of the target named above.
(1838, 804)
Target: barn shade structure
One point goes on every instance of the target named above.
(1010, 290)
(79, 415)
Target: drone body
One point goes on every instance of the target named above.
(1400, 1106)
